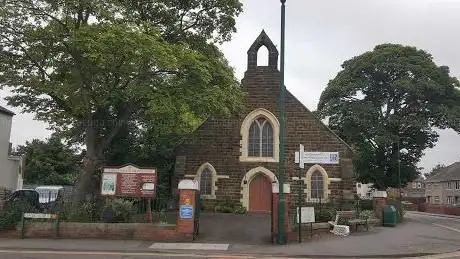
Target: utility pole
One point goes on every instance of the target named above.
(281, 202)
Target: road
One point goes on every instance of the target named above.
(452, 224)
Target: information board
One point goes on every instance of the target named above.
(129, 181)
(308, 214)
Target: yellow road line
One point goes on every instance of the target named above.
(49, 252)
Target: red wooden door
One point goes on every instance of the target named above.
(260, 194)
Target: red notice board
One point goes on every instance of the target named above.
(129, 181)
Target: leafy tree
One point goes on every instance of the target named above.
(435, 170)
(49, 162)
(387, 100)
(91, 67)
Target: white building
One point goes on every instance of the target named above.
(365, 191)
(11, 175)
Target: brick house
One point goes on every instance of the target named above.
(444, 186)
(236, 158)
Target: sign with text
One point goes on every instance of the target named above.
(307, 214)
(39, 216)
(129, 181)
(186, 211)
(302, 157)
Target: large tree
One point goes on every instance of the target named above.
(90, 67)
(387, 100)
(50, 161)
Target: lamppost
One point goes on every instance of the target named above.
(404, 151)
(281, 201)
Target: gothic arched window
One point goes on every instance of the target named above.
(260, 138)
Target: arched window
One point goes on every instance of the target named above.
(317, 185)
(206, 182)
(260, 138)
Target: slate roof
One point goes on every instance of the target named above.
(6, 111)
(452, 172)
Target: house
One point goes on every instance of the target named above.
(415, 189)
(444, 187)
(236, 159)
(10, 166)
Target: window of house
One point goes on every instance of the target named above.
(450, 200)
(457, 185)
(317, 185)
(449, 185)
(429, 186)
(428, 199)
(437, 200)
(260, 138)
(414, 185)
(419, 185)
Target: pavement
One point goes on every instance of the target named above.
(420, 235)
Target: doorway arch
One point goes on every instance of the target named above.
(255, 174)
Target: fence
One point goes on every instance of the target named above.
(104, 209)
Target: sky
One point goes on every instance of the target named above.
(320, 35)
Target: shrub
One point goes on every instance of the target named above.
(366, 214)
(366, 205)
(118, 211)
(12, 214)
(85, 211)
(324, 214)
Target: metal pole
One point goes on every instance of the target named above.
(300, 205)
(399, 171)
(281, 201)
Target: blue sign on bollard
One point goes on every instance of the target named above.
(186, 211)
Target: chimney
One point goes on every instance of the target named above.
(10, 148)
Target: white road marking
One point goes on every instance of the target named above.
(189, 246)
(453, 229)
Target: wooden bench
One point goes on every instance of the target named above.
(353, 221)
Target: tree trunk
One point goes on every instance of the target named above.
(89, 177)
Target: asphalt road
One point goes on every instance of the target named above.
(452, 224)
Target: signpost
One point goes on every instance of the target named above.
(39, 216)
(307, 214)
(130, 181)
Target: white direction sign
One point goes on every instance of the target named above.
(303, 157)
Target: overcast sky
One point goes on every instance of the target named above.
(320, 35)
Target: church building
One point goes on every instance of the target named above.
(237, 158)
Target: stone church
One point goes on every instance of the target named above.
(237, 158)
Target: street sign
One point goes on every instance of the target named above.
(39, 216)
(302, 157)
